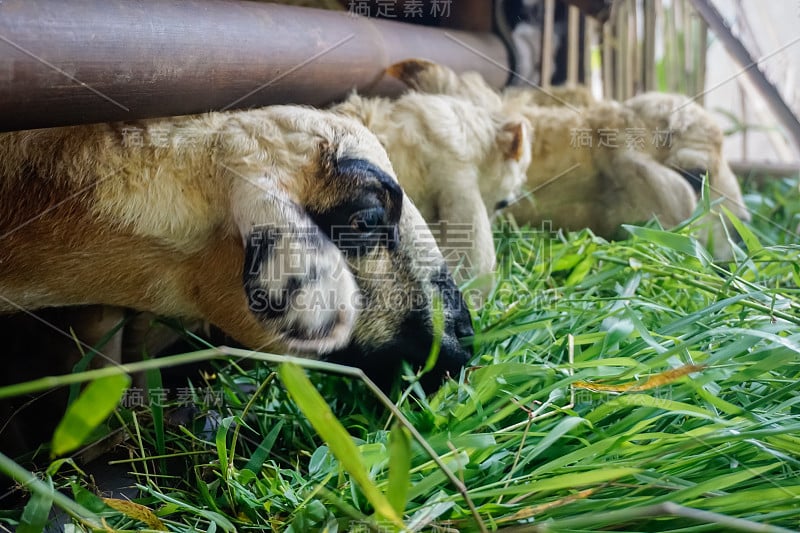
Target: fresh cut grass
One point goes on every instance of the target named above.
(624, 386)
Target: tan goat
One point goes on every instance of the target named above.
(283, 226)
(602, 164)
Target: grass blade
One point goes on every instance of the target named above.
(399, 468)
(333, 433)
(92, 407)
(34, 516)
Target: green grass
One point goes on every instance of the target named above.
(580, 412)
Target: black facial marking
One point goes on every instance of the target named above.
(453, 301)
(292, 286)
(266, 303)
(370, 216)
(694, 176)
(414, 339)
(259, 248)
(364, 170)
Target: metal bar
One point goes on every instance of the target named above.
(85, 61)
(468, 15)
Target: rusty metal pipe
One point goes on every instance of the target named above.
(85, 61)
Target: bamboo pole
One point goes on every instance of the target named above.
(608, 60)
(634, 76)
(672, 49)
(621, 51)
(573, 40)
(701, 61)
(589, 25)
(547, 42)
(649, 53)
(689, 65)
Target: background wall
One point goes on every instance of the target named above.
(768, 29)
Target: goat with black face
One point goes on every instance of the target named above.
(283, 226)
(381, 226)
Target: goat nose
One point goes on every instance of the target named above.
(462, 328)
(456, 347)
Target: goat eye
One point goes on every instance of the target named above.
(368, 220)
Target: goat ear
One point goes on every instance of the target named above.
(419, 74)
(512, 139)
